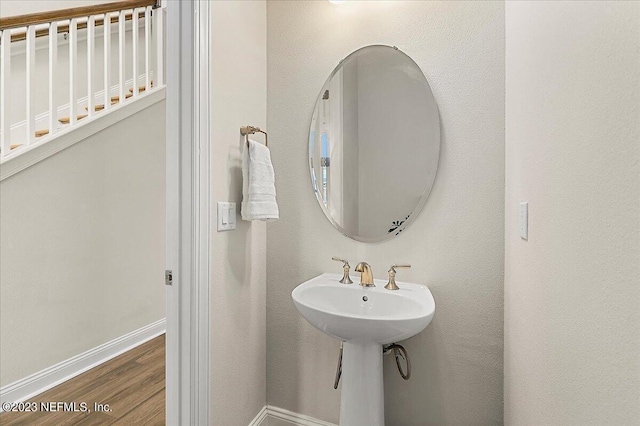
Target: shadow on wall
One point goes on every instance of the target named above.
(240, 266)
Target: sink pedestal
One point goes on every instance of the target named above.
(364, 318)
(362, 395)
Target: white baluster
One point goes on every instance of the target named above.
(121, 35)
(159, 21)
(91, 53)
(31, 82)
(5, 87)
(106, 25)
(147, 41)
(53, 66)
(107, 60)
(135, 52)
(73, 71)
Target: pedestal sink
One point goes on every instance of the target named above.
(365, 318)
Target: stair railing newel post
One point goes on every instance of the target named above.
(158, 29)
(5, 96)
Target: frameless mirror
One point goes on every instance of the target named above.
(374, 143)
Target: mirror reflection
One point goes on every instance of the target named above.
(374, 143)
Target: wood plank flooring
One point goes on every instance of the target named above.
(132, 384)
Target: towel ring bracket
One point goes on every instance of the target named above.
(250, 130)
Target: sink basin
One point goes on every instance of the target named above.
(359, 314)
(365, 318)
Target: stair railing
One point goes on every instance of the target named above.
(71, 22)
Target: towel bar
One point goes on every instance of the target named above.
(250, 130)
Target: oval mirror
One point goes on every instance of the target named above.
(374, 143)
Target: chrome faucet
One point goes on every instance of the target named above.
(366, 276)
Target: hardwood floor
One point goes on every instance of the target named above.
(132, 384)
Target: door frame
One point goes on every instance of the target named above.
(188, 212)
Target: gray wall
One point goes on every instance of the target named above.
(456, 244)
(572, 293)
(238, 96)
(82, 246)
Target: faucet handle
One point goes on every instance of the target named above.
(391, 285)
(394, 267)
(345, 268)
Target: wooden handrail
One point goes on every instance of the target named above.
(22, 35)
(74, 12)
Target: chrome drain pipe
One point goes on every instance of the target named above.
(398, 352)
(339, 369)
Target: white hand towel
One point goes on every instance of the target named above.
(258, 184)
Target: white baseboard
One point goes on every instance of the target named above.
(41, 381)
(260, 418)
(276, 413)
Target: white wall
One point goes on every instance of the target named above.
(456, 245)
(82, 246)
(239, 80)
(572, 293)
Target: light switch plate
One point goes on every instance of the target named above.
(524, 220)
(226, 216)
